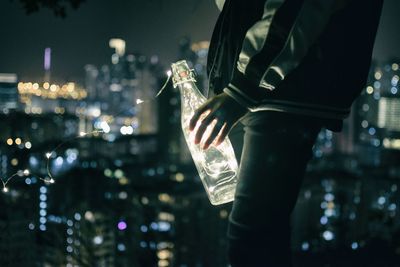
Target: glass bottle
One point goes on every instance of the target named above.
(217, 165)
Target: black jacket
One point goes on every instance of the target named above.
(308, 57)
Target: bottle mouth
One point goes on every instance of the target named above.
(181, 73)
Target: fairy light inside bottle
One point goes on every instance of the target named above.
(217, 165)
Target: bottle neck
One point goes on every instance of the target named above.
(190, 88)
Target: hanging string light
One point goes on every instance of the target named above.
(50, 178)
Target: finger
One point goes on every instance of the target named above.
(203, 127)
(219, 134)
(196, 116)
(214, 133)
(223, 133)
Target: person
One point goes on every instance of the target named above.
(282, 69)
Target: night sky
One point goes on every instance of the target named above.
(148, 26)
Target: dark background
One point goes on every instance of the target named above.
(149, 26)
(348, 209)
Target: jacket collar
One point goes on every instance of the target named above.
(220, 4)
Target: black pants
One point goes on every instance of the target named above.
(276, 149)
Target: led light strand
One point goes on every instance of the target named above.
(50, 179)
(50, 154)
(20, 173)
(169, 75)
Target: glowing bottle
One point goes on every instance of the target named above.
(217, 166)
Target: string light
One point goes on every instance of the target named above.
(50, 179)
(5, 189)
(169, 75)
(21, 173)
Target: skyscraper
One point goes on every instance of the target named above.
(47, 64)
(379, 111)
(8, 92)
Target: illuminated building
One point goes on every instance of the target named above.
(50, 98)
(103, 86)
(8, 92)
(380, 105)
(379, 111)
(91, 76)
(47, 64)
(51, 91)
(146, 88)
(114, 93)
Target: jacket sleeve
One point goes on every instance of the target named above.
(275, 45)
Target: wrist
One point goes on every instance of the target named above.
(242, 103)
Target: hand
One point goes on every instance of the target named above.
(221, 110)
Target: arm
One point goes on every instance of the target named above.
(275, 45)
(272, 48)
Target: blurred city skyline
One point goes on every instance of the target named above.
(149, 27)
(96, 173)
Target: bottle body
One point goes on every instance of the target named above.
(217, 166)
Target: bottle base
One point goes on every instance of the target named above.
(223, 195)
